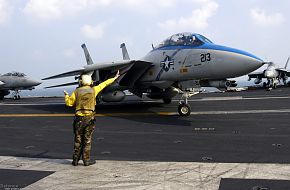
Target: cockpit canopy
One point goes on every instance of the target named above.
(184, 39)
(17, 74)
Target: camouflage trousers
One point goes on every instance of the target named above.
(83, 130)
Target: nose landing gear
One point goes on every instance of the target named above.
(16, 95)
(184, 108)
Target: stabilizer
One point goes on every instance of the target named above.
(124, 52)
(95, 74)
(87, 55)
(287, 62)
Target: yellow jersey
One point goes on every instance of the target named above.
(72, 100)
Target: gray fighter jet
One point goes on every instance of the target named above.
(176, 65)
(15, 82)
(273, 74)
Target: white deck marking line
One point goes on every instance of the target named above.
(156, 113)
(230, 98)
(239, 98)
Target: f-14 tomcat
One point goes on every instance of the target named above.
(15, 81)
(172, 67)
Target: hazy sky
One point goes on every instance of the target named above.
(43, 37)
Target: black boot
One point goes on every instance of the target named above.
(90, 162)
(75, 163)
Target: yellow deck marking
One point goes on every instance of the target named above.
(36, 115)
(97, 115)
(154, 113)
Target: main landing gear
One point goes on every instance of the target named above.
(184, 108)
(271, 84)
(16, 95)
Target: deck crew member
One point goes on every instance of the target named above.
(84, 101)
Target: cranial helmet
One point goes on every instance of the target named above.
(86, 80)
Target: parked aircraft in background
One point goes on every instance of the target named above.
(15, 82)
(174, 66)
(273, 74)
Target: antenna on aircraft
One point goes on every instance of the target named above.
(287, 62)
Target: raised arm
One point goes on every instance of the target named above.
(106, 83)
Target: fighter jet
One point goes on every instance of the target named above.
(15, 81)
(176, 65)
(273, 74)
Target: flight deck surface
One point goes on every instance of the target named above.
(231, 140)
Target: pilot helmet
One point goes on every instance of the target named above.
(86, 80)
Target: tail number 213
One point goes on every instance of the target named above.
(205, 57)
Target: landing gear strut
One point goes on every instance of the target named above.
(272, 83)
(16, 95)
(184, 108)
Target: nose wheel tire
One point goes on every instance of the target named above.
(184, 109)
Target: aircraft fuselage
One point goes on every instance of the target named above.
(207, 62)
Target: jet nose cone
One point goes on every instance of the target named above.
(248, 64)
(235, 62)
(33, 82)
(269, 74)
(36, 83)
(254, 62)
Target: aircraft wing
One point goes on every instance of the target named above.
(284, 71)
(135, 72)
(67, 74)
(89, 68)
(256, 75)
(131, 71)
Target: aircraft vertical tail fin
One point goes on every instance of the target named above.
(87, 55)
(95, 74)
(124, 52)
(287, 62)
